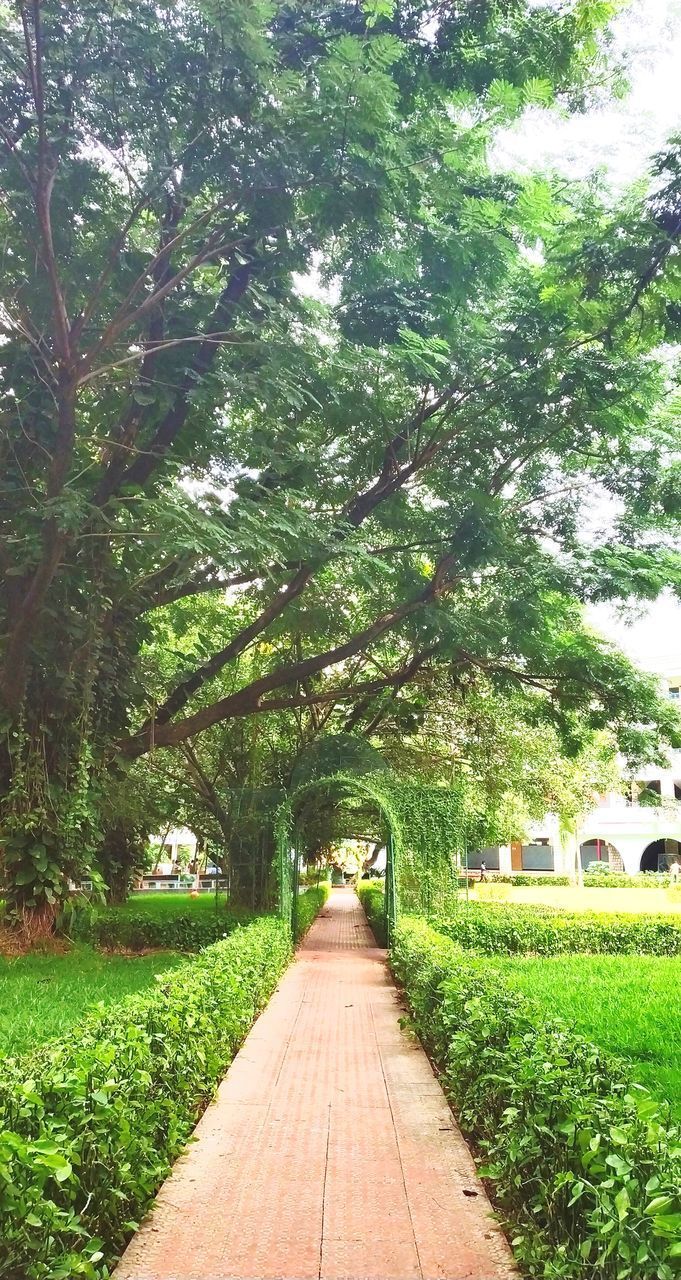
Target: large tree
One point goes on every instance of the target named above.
(389, 481)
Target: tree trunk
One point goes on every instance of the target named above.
(121, 855)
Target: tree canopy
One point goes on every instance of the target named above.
(274, 326)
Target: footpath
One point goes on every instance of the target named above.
(330, 1150)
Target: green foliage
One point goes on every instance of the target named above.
(584, 1166)
(372, 897)
(518, 929)
(594, 880)
(523, 879)
(629, 1007)
(308, 906)
(173, 921)
(618, 880)
(396, 487)
(43, 994)
(423, 827)
(90, 1125)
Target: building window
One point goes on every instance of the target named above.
(675, 692)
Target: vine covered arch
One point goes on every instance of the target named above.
(424, 829)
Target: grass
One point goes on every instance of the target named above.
(628, 1005)
(42, 994)
(163, 904)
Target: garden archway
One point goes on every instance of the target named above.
(332, 794)
(424, 829)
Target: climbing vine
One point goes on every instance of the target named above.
(426, 830)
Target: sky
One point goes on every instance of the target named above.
(619, 137)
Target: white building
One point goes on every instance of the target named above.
(177, 845)
(621, 831)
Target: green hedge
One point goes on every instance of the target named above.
(511, 928)
(585, 1167)
(90, 1125)
(130, 929)
(310, 904)
(372, 897)
(592, 880)
(521, 878)
(618, 880)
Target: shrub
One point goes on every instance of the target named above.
(585, 1167)
(520, 878)
(90, 1125)
(519, 929)
(619, 880)
(592, 880)
(309, 905)
(372, 897)
(313, 876)
(135, 928)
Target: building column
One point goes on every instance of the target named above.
(505, 861)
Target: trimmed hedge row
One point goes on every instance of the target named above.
(585, 1167)
(514, 929)
(309, 905)
(130, 929)
(521, 878)
(371, 894)
(90, 1125)
(618, 880)
(592, 880)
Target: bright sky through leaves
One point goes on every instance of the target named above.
(619, 137)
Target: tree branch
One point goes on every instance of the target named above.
(250, 699)
(139, 472)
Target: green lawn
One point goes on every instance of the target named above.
(42, 995)
(164, 904)
(629, 1005)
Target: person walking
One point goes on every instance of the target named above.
(483, 870)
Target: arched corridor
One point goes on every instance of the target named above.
(659, 855)
(600, 850)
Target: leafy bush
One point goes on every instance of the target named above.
(309, 905)
(90, 1125)
(372, 897)
(619, 880)
(592, 880)
(313, 876)
(519, 929)
(629, 1005)
(521, 878)
(187, 926)
(585, 1167)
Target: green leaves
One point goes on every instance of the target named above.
(514, 929)
(544, 1109)
(474, 355)
(87, 1141)
(377, 9)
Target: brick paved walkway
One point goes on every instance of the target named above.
(330, 1150)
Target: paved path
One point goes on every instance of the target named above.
(330, 1150)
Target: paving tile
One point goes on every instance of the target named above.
(330, 1152)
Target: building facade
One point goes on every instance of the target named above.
(637, 829)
